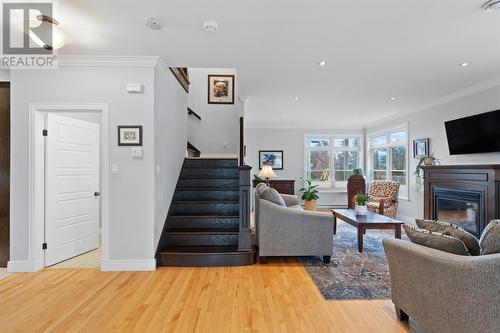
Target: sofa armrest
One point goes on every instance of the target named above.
(444, 292)
(293, 232)
(290, 200)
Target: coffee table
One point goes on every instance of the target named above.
(363, 222)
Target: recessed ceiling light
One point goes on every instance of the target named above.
(210, 26)
(322, 63)
(154, 23)
(464, 64)
(283, 115)
(491, 4)
(296, 98)
(393, 98)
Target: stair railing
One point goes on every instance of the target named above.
(244, 234)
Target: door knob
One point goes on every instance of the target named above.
(96, 194)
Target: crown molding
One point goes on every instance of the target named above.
(155, 62)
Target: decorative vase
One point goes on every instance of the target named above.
(428, 161)
(360, 210)
(310, 205)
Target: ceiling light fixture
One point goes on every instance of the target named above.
(464, 64)
(296, 98)
(154, 23)
(393, 98)
(322, 63)
(210, 26)
(491, 4)
(59, 36)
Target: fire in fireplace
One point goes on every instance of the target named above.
(461, 207)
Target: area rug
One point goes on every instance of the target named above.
(350, 274)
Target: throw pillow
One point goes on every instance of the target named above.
(436, 240)
(270, 194)
(453, 230)
(490, 238)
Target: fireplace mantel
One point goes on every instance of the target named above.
(481, 179)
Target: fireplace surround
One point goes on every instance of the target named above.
(467, 195)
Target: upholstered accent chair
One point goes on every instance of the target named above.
(383, 197)
(444, 292)
(289, 230)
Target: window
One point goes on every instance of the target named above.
(331, 159)
(388, 157)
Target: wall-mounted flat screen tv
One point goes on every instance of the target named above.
(475, 134)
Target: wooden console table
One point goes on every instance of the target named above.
(282, 186)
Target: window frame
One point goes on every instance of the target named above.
(404, 189)
(331, 151)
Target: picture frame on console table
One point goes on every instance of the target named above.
(274, 158)
(420, 148)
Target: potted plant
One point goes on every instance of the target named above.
(309, 194)
(361, 202)
(425, 160)
(357, 172)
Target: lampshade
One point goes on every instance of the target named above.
(267, 172)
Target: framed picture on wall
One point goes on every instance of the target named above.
(130, 135)
(220, 89)
(274, 158)
(420, 148)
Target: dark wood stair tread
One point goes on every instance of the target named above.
(208, 249)
(205, 202)
(202, 231)
(207, 188)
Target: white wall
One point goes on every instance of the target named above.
(291, 141)
(430, 124)
(131, 196)
(170, 123)
(4, 75)
(218, 131)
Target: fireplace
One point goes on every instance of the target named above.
(460, 207)
(466, 195)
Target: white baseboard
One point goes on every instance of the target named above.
(127, 265)
(21, 266)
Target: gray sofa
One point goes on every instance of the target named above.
(291, 231)
(444, 292)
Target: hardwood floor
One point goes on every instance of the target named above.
(278, 297)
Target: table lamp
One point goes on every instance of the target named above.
(267, 172)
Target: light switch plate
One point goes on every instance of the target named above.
(136, 152)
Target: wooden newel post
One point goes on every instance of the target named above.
(244, 235)
(355, 185)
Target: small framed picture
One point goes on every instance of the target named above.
(274, 158)
(220, 89)
(420, 147)
(130, 135)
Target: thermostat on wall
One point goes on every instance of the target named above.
(134, 88)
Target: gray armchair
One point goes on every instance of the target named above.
(292, 231)
(443, 292)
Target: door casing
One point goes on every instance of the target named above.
(37, 176)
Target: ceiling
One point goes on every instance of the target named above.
(375, 50)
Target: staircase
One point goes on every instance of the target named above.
(204, 226)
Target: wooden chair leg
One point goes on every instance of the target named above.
(263, 260)
(381, 206)
(402, 316)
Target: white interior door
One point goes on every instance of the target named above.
(72, 188)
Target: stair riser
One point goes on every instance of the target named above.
(200, 183)
(206, 260)
(200, 173)
(206, 195)
(205, 222)
(207, 163)
(209, 208)
(200, 240)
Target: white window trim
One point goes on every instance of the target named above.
(403, 195)
(361, 152)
